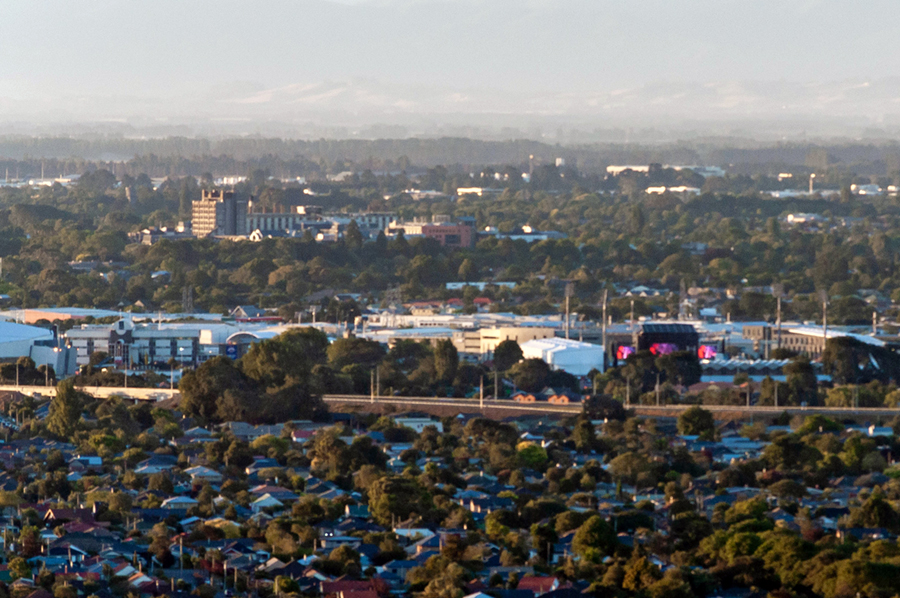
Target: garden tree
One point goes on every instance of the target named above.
(19, 569)
(603, 407)
(767, 394)
(507, 354)
(688, 527)
(446, 361)
(855, 576)
(350, 351)
(466, 270)
(850, 361)
(395, 498)
(159, 544)
(584, 435)
(801, 381)
(640, 574)
(329, 455)
(352, 236)
(594, 539)
(530, 375)
(843, 359)
(449, 583)
(819, 423)
(855, 396)
(65, 410)
(788, 489)
(680, 367)
(281, 368)
(531, 455)
(876, 511)
(788, 453)
(672, 585)
(697, 421)
(286, 359)
(29, 542)
(641, 368)
(406, 355)
(543, 539)
(202, 389)
(628, 466)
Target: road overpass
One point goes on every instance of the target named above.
(101, 392)
(494, 407)
(476, 405)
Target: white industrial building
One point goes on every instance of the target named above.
(574, 357)
(21, 340)
(16, 340)
(151, 345)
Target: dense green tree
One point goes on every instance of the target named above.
(446, 361)
(530, 375)
(350, 351)
(697, 421)
(395, 498)
(594, 539)
(203, 389)
(507, 354)
(65, 410)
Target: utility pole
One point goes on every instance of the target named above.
(496, 381)
(481, 393)
(372, 386)
(570, 290)
(377, 381)
(603, 330)
(778, 323)
(874, 323)
(824, 296)
(778, 291)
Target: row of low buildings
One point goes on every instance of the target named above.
(222, 214)
(150, 341)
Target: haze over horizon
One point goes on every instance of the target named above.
(538, 68)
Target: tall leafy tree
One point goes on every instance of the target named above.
(65, 410)
(507, 354)
(446, 361)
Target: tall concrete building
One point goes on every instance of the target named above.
(218, 213)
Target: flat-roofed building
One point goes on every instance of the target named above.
(218, 213)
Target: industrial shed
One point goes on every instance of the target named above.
(574, 357)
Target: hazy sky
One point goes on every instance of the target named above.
(69, 60)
